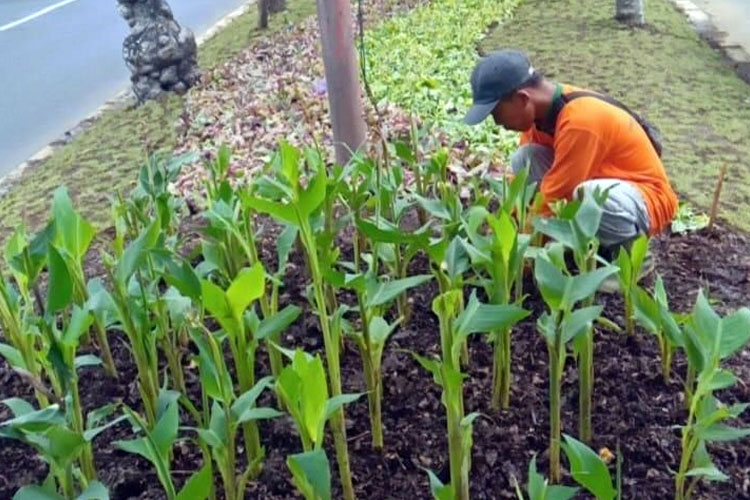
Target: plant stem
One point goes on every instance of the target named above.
(501, 373)
(555, 378)
(332, 358)
(629, 325)
(87, 456)
(586, 382)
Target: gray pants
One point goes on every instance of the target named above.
(625, 215)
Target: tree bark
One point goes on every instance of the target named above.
(277, 6)
(630, 12)
(344, 95)
(263, 8)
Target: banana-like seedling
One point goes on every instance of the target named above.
(303, 388)
(561, 324)
(375, 296)
(587, 468)
(708, 340)
(651, 311)
(156, 447)
(575, 227)
(497, 257)
(48, 431)
(631, 265)
(306, 205)
(456, 324)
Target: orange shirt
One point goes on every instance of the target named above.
(595, 140)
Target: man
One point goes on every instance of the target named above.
(575, 146)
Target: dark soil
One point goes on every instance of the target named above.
(633, 405)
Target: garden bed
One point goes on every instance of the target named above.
(633, 406)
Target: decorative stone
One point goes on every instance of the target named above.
(160, 54)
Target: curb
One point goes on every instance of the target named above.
(120, 100)
(737, 57)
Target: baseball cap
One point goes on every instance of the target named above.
(494, 77)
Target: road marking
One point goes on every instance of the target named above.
(36, 14)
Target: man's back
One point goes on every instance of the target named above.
(596, 140)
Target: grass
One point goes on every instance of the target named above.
(106, 157)
(664, 71)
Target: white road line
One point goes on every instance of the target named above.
(36, 14)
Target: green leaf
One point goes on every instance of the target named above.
(735, 332)
(551, 281)
(647, 311)
(284, 244)
(63, 445)
(280, 211)
(579, 322)
(36, 492)
(165, 431)
(585, 285)
(60, 291)
(182, 276)
(336, 402)
(12, 356)
(87, 360)
(36, 421)
(95, 491)
(18, 406)
(249, 285)
(311, 198)
(311, 473)
(588, 469)
(258, 414)
(722, 433)
(74, 234)
(703, 466)
(80, 322)
(380, 330)
(439, 490)
(198, 487)
(558, 230)
(289, 159)
(248, 399)
(278, 322)
(588, 217)
(478, 317)
(136, 252)
(385, 291)
(436, 208)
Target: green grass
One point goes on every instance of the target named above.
(664, 71)
(107, 156)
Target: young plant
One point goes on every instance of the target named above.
(709, 339)
(562, 323)
(575, 228)
(156, 447)
(227, 413)
(25, 351)
(587, 469)
(130, 304)
(456, 324)
(73, 236)
(652, 313)
(60, 446)
(228, 309)
(497, 256)
(311, 474)
(283, 197)
(631, 264)
(374, 296)
(303, 388)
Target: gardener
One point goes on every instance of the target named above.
(576, 142)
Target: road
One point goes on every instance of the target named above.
(61, 59)
(732, 17)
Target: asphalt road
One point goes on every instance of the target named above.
(61, 59)
(732, 17)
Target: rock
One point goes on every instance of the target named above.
(160, 54)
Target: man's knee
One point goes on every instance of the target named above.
(537, 157)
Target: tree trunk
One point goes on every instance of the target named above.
(263, 9)
(344, 95)
(630, 12)
(277, 6)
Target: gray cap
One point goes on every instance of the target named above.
(494, 77)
